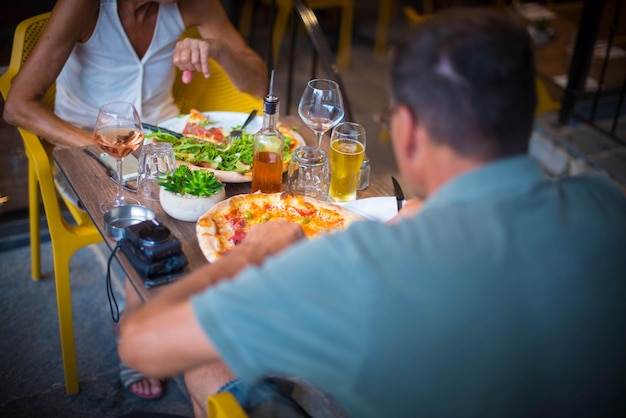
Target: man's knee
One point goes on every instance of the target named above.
(206, 380)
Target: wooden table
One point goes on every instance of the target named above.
(91, 183)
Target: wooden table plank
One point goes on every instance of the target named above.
(90, 182)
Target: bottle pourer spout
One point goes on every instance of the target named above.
(270, 103)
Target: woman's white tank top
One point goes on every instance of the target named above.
(106, 68)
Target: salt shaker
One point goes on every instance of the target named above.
(364, 175)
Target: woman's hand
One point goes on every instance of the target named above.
(193, 54)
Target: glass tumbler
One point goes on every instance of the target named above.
(309, 174)
(156, 160)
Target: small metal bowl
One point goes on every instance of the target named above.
(118, 218)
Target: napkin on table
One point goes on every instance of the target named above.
(381, 208)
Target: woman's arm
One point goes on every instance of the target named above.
(71, 21)
(222, 42)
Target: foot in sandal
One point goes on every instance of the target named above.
(140, 385)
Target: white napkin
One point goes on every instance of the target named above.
(381, 208)
(129, 167)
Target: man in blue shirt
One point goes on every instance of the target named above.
(502, 296)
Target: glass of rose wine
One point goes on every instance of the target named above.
(321, 106)
(118, 132)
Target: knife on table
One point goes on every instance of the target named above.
(398, 192)
(154, 128)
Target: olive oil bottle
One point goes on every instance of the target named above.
(267, 165)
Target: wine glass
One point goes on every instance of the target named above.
(321, 106)
(118, 132)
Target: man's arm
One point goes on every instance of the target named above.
(164, 338)
(221, 41)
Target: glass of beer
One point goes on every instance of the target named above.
(347, 149)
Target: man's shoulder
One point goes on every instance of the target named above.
(594, 193)
(595, 183)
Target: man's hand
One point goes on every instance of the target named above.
(270, 238)
(411, 208)
(193, 54)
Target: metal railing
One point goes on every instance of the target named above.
(598, 58)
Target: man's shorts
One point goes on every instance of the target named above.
(280, 397)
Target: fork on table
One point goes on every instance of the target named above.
(236, 133)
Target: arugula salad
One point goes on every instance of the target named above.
(236, 156)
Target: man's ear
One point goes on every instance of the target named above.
(403, 132)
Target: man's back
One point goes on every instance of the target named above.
(516, 297)
(503, 297)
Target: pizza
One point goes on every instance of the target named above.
(206, 145)
(198, 126)
(226, 224)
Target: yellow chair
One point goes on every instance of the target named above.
(224, 405)
(545, 103)
(285, 8)
(385, 10)
(414, 17)
(66, 238)
(213, 94)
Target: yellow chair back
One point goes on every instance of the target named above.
(545, 103)
(66, 238)
(224, 405)
(414, 17)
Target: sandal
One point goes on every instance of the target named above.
(129, 376)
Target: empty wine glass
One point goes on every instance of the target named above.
(321, 106)
(118, 132)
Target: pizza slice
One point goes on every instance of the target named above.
(199, 127)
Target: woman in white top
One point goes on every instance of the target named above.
(103, 50)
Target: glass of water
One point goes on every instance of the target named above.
(156, 160)
(309, 173)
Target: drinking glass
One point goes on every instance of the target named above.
(347, 149)
(118, 132)
(308, 173)
(321, 106)
(155, 161)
